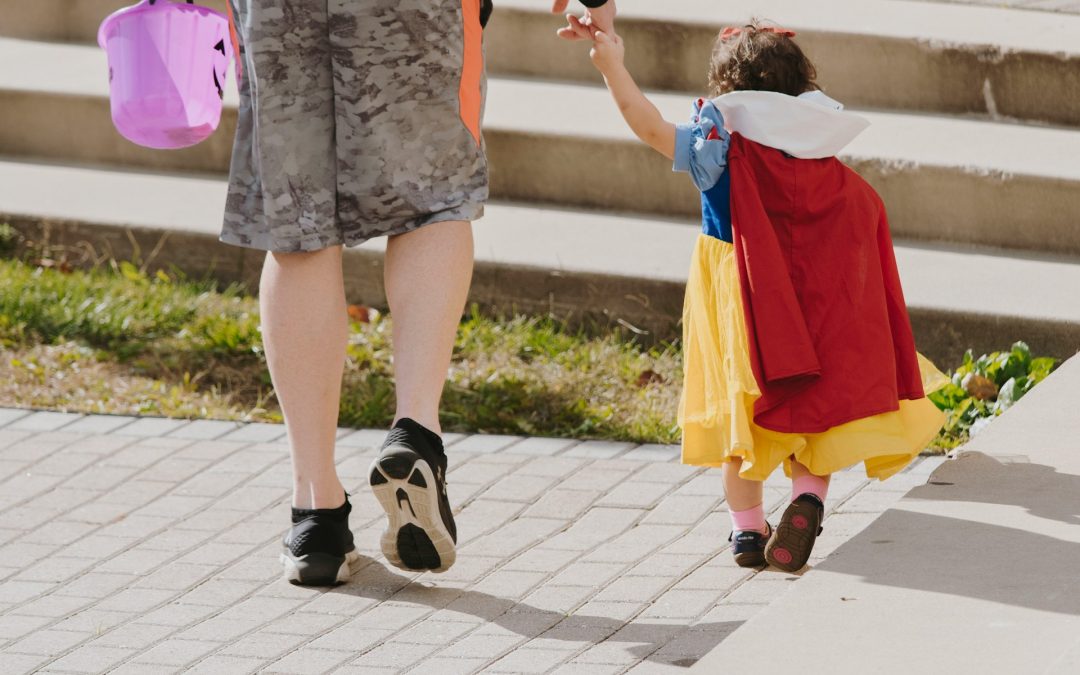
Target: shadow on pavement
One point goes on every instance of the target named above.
(668, 643)
(977, 558)
(976, 477)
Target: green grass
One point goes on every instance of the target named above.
(95, 308)
(117, 340)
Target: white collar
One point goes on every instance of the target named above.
(808, 126)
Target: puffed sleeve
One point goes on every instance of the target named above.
(701, 146)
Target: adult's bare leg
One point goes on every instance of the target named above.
(428, 273)
(305, 332)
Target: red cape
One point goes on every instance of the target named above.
(829, 334)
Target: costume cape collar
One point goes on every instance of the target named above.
(809, 126)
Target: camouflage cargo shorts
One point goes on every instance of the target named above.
(358, 118)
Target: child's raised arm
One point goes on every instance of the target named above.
(642, 116)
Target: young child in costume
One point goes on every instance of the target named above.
(798, 347)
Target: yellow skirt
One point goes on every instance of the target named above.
(717, 408)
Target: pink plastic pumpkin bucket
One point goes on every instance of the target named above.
(168, 64)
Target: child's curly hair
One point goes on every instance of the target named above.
(762, 58)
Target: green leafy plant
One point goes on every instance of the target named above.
(985, 387)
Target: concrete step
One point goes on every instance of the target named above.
(944, 178)
(63, 20)
(921, 56)
(582, 265)
(884, 54)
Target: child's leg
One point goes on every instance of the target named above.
(749, 529)
(803, 482)
(790, 547)
(744, 498)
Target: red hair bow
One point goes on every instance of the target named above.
(732, 31)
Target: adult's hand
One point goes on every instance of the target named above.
(601, 18)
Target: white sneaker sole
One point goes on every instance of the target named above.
(420, 509)
(295, 570)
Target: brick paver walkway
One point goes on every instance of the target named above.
(150, 546)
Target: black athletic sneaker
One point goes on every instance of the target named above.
(790, 546)
(409, 480)
(319, 546)
(749, 547)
